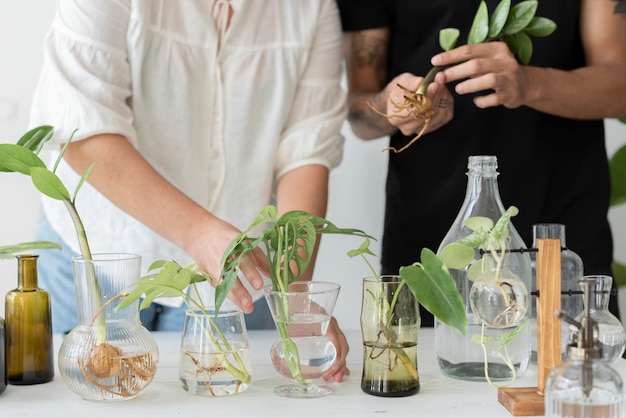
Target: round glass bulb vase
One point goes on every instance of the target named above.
(214, 356)
(390, 322)
(303, 352)
(109, 356)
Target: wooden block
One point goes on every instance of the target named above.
(522, 402)
(548, 302)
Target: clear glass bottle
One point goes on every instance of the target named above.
(610, 332)
(571, 272)
(3, 370)
(584, 386)
(457, 356)
(29, 348)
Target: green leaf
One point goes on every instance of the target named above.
(622, 119)
(36, 138)
(499, 17)
(617, 168)
(49, 184)
(448, 38)
(476, 223)
(15, 158)
(435, 290)
(524, 49)
(540, 27)
(480, 26)
(82, 181)
(475, 270)
(8, 251)
(619, 273)
(363, 249)
(501, 228)
(457, 256)
(520, 16)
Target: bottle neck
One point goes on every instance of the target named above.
(27, 272)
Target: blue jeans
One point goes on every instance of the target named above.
(54, 270)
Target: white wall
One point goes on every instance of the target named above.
(357, 186)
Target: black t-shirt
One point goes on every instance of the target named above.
(553, 169)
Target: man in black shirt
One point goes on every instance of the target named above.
(543, 121)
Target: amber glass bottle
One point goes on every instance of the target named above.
(29, 350)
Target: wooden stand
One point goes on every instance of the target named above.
(530, 401)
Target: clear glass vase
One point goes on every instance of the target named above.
(109, 356)
(214, 356)
(610, 332)
(458, 355)
(303, 351)
(390, 322)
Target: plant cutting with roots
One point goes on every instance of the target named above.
(104, 361)
(288, 242)
(493, 283)
(172, 280)
(513, 25)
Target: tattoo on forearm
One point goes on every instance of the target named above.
(370, 52)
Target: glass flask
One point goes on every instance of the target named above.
(109, 355)
(457, 356)
(584, 386)
(214, 356)
(571, 271)
(610, 331)
(29, 347)
(390, 322)
(303, 351)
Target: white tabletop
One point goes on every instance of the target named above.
(439, 396)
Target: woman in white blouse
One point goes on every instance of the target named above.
(196, 114)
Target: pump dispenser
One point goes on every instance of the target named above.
(584, 386)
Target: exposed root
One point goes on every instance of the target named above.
(416, 105)
(111, 370)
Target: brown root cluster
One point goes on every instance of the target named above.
(207, 372)
(111, 370)
(416, 105)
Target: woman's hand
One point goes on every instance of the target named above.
(339, 369)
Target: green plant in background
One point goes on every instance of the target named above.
(512, 25)
(288, 242)
(170, 279)
(617, 167)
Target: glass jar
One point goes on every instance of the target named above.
(584, 386)
(29, 348)
(610, 332)
(303, 351)
(390, 322)
(109, 356)
(457, 355)
(214, 356)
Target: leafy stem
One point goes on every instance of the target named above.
(170, 279)
(289, 242)
(23, 158)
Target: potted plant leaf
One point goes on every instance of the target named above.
(97, 360)
(288, 242)
(216, 361)
(513, 25)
